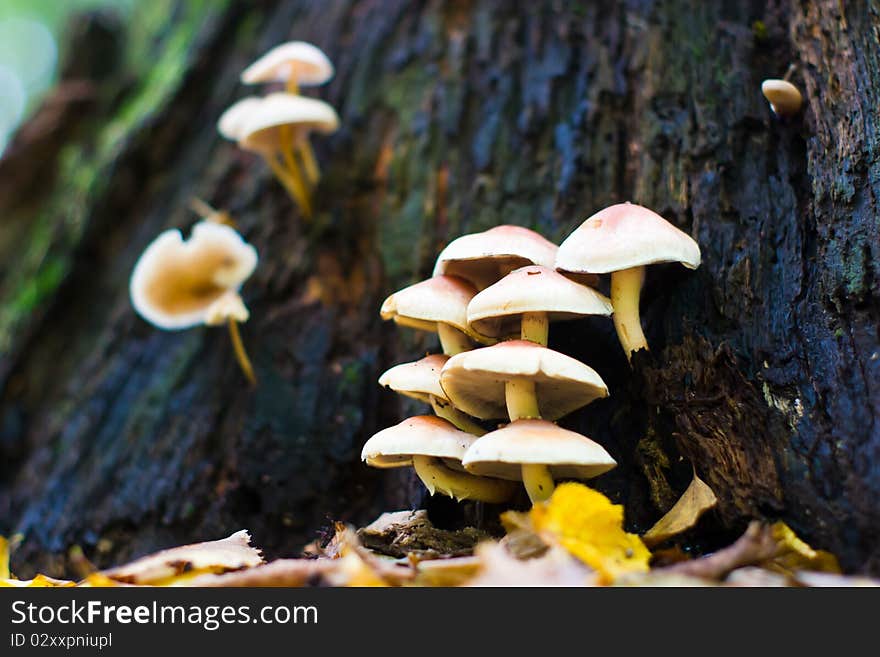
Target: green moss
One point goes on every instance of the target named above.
(156, 57)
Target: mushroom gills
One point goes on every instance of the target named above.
(438, 477)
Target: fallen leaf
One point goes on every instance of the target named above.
(556, 568)
(589, 526)
(454, 571)
(794, 554)
(4, 558)
(177, 565)
(696, 500)
(402, 533)
(39, 581)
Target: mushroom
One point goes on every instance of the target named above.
(536, 452)
(622, 239)
(519, 379)
(483, 258)
(438, 304)
(785, 99)
(296, 63)
(276, 126)
(177, 284)
(421, 380)
(527, 299)
(434, 447)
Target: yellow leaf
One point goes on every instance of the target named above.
(794, 554)
(589, 526)
(696, 500)
(4, 558)
(39, 581)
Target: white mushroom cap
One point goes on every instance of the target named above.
(483, 258)
(260, 129)
(623, 236)
(232, 121)
(567, 454)
(498, 309)
(439, 299)
(422, 435)
(474, 381)
(175, 282)
(784, 98)
(302, 61)
(419, 380)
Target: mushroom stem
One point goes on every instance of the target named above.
(293, 185)
(522, 403)
(292, 86)
(452, 340)
(309, 162)
(626, 289)
(538, 482)
(289, 148)
(438, 477)
(449, 412)
(535, 328)
(240, 354)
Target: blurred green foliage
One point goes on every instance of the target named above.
(30, 31)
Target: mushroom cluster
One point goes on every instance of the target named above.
(491, 300)
(277, 126)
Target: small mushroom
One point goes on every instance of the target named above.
(274, 128)
(536, 452)
(421, 380)
(295, 63)
(483, 258)
(438, 304)
(519, 379)
(177, 284)
(785, 99)
(434, 447)
(526, 300)
(622, 239)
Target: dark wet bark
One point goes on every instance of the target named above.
(456, 116)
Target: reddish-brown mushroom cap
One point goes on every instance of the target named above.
(568, 455)
(485, 257)
(474, 381)
(419, 380)
(422, 435)
(439, 299)
(624, 236)
(497, 310)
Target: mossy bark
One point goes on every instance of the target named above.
(456, 116)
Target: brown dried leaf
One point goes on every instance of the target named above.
(172, 566)
(556, 568)
(696, 500)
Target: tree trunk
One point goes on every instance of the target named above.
(456, 116)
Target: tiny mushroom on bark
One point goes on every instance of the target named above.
(296, 63)
(536, 452)
(421, 380)
(483, 258)
(434, 447)
(519, 379)
(524, 302)
(438, 304)
(275, 127)
(785, 99)
(177, 284)
(622, 239)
